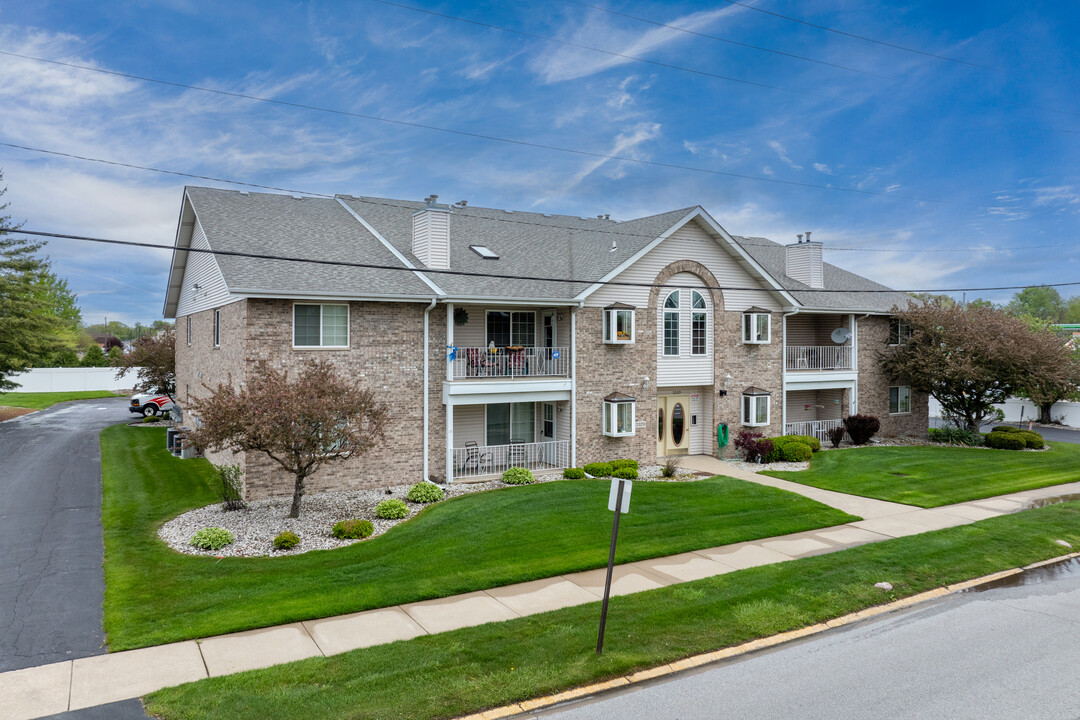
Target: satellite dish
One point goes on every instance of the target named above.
(841, 335)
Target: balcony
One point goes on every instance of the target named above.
(815, 428)
(818, 357)
(478, 460)
(510, 362)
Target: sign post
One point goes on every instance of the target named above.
(619, 503)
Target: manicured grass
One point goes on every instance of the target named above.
(455, 673)
(930, 476)
(154, 595)
(42, 400)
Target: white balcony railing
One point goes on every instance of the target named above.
(482, 362)
(477, 460)
(818, 357)
(816, 428)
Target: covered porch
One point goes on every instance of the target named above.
(489, 438)
(815, 412)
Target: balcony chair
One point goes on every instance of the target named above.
(480, 461)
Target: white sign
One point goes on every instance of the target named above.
(627, 486)
(640, 424)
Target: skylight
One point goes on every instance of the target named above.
(484, 252)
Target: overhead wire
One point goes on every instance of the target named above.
(508, 276)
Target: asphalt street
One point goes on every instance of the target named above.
(1009, 652)
(1062, 434)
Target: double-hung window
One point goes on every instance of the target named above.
(619, 415)
(899, 399)
(506, 328)
(671, 324)
(755, 407)
(699, 324)
(899, 331)
(325, 326)
(756, 326)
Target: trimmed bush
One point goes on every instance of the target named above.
(1006, 429)
(956, 436)
(518, 476)
(813, 442)
(573, 474)
(625, 463)
(779, 443)
(392, 509)
(860, 428)
(836, 435)
(600, 469)
(425, 492)
(754, 446)
(1032, 439)
(796, 452)
(286, 540)
(626, 473)
(355, 529)
(151, 419)
(1005, 441)
(212, 538)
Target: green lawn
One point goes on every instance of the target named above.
(154, 595)
(930, 476)
(450, 674)
(42, 400)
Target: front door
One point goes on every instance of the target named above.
(673, 425)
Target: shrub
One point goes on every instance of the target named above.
(670, 467)
(1032, 439)
(956, 436)
(813, 442)
(425, 492)
(860, 428)
(286, 540)
(626, 473)
(1006, 429)
(355, 529)
(1005, 441)
(754, 446)
(836, 435)
(518, 476)
(231, 487)
(212, 538)
(796, 452)
(599, 469)
(392, 509)
(151, 419)
(625, 463)
(779, 443)
(573, 474)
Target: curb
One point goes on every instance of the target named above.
(695, 661)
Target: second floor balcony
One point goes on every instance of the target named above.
(818, 357)
(510, 362)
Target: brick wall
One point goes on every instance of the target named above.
(759, 366)
(874, 384)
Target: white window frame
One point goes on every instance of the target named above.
(749, 420)
(320, 346)
(611, 323)
(903, 332)
(702, 310)
(750, 324)
(898, 388)
(610, 420)
(217, 328)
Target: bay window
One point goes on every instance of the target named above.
(619, 324)
(619, 415)
(755, 406)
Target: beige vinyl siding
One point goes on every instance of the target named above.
(815, 330)
(823, 405)
(690, 242)
(684, 369)
(803, 262)
(562, 420)
(831, 410)
(474, 332)
(202, 270)
(468, 424)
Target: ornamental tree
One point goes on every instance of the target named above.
(1054, 371)
(967, 357)
(302, 423)
(154, 360)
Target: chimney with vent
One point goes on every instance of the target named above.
(431, 234)
(804, 262)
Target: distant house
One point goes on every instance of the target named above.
(106, 342)
(644, 336)
(1073, 330)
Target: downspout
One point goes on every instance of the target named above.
(783, 373)
(427, 351)
(573, 382)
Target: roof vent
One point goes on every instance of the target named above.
(803, 262)
(614, 246)
(462, 203)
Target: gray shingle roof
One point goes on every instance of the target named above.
(773, 258)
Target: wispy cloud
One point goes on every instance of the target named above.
(626, 144)
(781, 153)
(823, 168)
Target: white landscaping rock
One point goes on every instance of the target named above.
(886, 586)
(1064, 543)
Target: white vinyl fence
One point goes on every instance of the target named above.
(73, 380)
(1067, 412)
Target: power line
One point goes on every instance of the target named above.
(729, 41)
(507, 276)
(376, 201)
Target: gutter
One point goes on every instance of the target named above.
(427, 350)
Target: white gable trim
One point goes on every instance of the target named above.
(697, 212)
(386, 243)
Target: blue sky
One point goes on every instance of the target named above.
(991, 156)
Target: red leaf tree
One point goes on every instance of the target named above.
(154, 361)
(315, 418)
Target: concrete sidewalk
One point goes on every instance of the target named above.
(88, 682)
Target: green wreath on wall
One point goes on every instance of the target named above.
(461, 316)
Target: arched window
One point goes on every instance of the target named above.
(699, 324)
(671, 323)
